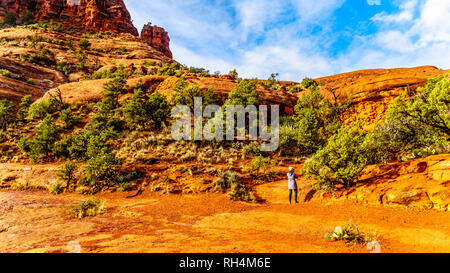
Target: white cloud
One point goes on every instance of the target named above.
(406, 14)
(395, 40)
(289, 62)
(420, 38)
(191, 58)
(260, 37)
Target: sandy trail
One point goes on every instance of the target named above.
(38, 222)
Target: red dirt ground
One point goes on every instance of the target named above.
(38, 222)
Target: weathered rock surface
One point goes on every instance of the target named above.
(94, 15)
(421, 183)
(373, 91)
(27, 79)
(157, 38)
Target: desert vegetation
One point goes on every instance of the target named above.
(130, 125)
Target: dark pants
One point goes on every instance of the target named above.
(290, 195)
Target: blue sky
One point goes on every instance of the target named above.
(301, 38)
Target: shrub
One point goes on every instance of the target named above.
(351, 234)
(261, 164)
(88, 208)
(198, 70)
(42, 108)
(6, 113)
(61, 147)
(340, 161)
(169, 69)
(65, 68)
(316, 120)
(233, 73)
(243, 94)
(254, 148)
(308, 82)
(67, 173)
(420, 124)
(224, 181)
(57, 188)
(27, 17)
(295, 89)
(209, 97)
(157, 109)
(67, 118)
(25, 104)
(10, 19)
(5, 73)
(271, 82)
(111, 91)
(240, 192)
(24, 144)
(186, 96)
(125, 181)
(46, 136)
(140, 112)
(134, 111)
(84, 44)
(289, 142)
(101, 169)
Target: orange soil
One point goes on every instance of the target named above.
(38, 222)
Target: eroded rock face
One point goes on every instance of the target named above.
(372, 91)
(420, 183)
(157, 38)
(97, 15)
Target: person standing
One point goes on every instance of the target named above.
(292, 184)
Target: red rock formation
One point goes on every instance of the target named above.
(97, 15)
(157, 38)
(372, 91)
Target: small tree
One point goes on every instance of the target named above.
(261, 163)
(101, 168)
(27, 17)
(134, 111)
(10, 19)
(25, 104)
(234, 74)
(67, 118)
(209, 97)
(186, 96)
(169, 69)
(308, 82)
(157, 109)
(419, 124)
(111, 91)
(46, 136)
(340, 161)
(6, 113)
(243, 94)
(316, 120)
(67, 173)
(42, 108)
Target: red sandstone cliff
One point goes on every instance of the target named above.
(94, 15)
(157, 38)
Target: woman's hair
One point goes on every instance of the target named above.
(291, 169)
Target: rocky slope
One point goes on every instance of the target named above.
(29, 76)
(94, 15)
(372, 91)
